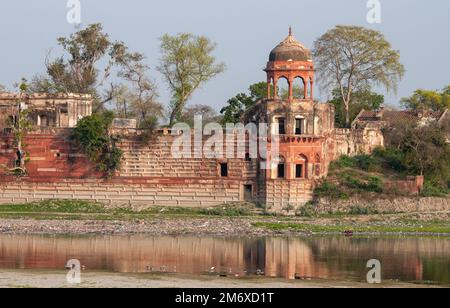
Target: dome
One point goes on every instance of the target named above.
(290, 50)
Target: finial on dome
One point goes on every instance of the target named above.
(290, 30)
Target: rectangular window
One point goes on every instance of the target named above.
(281, 126)
(299, 171)
(299, 126)
(281, 171)
(224, 170)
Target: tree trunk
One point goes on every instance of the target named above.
(347, 114)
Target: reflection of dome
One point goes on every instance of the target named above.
(290, 50)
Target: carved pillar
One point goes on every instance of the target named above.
(269, 95)
(312, 89)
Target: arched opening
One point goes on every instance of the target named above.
(298, 89)
(283, 88)
(301, 167)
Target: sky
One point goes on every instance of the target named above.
(245, 32)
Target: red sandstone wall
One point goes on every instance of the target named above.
(50, 157)
(150, 176)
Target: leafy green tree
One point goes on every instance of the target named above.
(186, 64)
(429, 100)
(92, 135)
(366, 100)
(237, 105)
(352, 59)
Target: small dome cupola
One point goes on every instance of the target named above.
(291, 61)
(290, 49)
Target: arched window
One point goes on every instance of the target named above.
(298, 89)
(283, 88)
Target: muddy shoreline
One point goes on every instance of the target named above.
(57, 279)
(220, 227)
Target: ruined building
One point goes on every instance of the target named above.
(150, 175)
(43, 110)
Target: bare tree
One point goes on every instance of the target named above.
(142, 97)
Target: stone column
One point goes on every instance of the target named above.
(305, 89)
(275, 85)
(291, 89)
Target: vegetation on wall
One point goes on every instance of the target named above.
(20, 126)
(93, 137)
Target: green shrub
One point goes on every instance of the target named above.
(92, 135)
(329, 190)
(367, 163)
(344, 162)
(432, 189)
(308, 210)
(375, 184)
(391, 159)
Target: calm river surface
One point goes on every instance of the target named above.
(409, 259)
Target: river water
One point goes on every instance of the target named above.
(423, 260)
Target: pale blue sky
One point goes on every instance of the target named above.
(245, 30)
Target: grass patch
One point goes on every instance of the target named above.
(55, 206)
(82, 210)
(310, 228)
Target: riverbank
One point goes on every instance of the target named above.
(57, 279)
(78, 218)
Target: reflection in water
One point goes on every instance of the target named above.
(331, 258)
